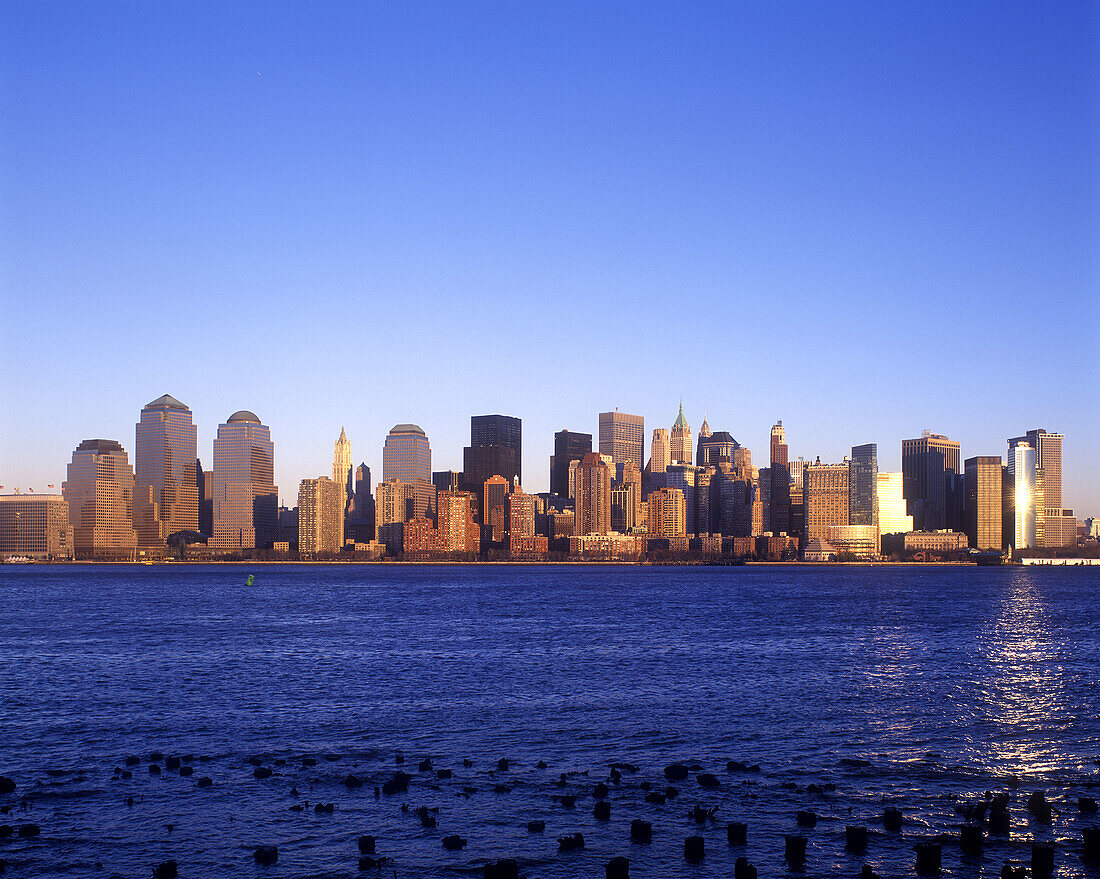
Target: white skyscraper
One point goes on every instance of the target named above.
(341, 464)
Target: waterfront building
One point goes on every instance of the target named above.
(419, 539)
(667, 513)
(609, 547)
(246, 500)
(681, 439)
(1019, 496)
(166, 481)
(660, 451)
(892, 515)
(458, 533)
(592, 504)
(929, 468)
(569, 446)
(342, 468)
(942, 541)
(499, 432)
(625, 501)
(99, 490)
(320, 516)
(622, 437)
(35, 526)
(779, 522)
(982, 510)
(858, 541)
(1048, 497)
(562, 524)
(825, 490)
(863, 485)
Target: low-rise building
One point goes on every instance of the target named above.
(36, 526)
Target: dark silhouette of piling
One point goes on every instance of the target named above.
(970, 839)
(506, 868)
(602, 810)
(891, 819)
(1086, 804)
(640, 831)
(1090, 836)
(366, 845)
(694, 849)
(928, 857)
(737, 833)
(794, 851)
(806, 819)
(1042, 860)
(742, 869)
(618, 868)
(454, 843)
(266, 855)
(571, 842)
(855, 838)
(536, 826)
(166, 870)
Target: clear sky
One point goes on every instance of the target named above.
(862, 218)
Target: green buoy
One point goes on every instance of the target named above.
(248, 582)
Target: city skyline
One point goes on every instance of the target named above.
(540, 474)
(873, 220)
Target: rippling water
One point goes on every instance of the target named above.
(948, 681)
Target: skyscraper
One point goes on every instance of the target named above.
(593, 496)
(929, 469)
(667, 513)
(825, 492)
(780, 475)
(681, 439)
(704, 434)
(716, 447)
(166, 490)
(660, 451)
(407, 456)
(246, 499)
(341, 466)
(320, 516)
(892, 518)
(1048, 488)
(622, 436)
(568, 446)
(863, 485)
(500, 431)
(99, 490)
(36, 526)
(982, 509)
(1019, 496)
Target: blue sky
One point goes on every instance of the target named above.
(863, 218)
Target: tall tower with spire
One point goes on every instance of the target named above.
(681, 439)
(704, 433)
(341, 465)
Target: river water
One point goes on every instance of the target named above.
(918, 687)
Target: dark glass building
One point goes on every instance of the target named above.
(569, 446)
(863, 485)
(498, 432)
(929, 467)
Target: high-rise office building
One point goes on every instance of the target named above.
(660, 451)
(1019, 496)
(360, 516)
(982, 509)
(99, 490)
(780, 476)
(36, 526)
(320, 516)
(684, 477)
(667, 513)
(622, 437)
(681, 439)
(457, 530)
(494, 498)
(863, 485)
(342, 467)
(166, 484)
(892, 517)
(1048, 488)
(246, 499)
(407, 457)
(929, 469)
(500, 431)
(568, 446)
(481, 462)
(592, 504)
(825, 490)
(394, 503)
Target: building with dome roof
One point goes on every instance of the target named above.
(681, 439)
(246, 499)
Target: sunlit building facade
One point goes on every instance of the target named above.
(99, 490)
(983, 506)
(1019, 496)
(35, 526)
(825, 495)
(592, 505)
(779, 520)
(622, 437)
(320, 516)
(681, 450)
(667, 513)
(166, 479)
(246, 500)
(342, 466)
(660, 451)
(569, 446)
(863, 485)
(892, 515)
(929, 468)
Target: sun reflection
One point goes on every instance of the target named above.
(1020, 698)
